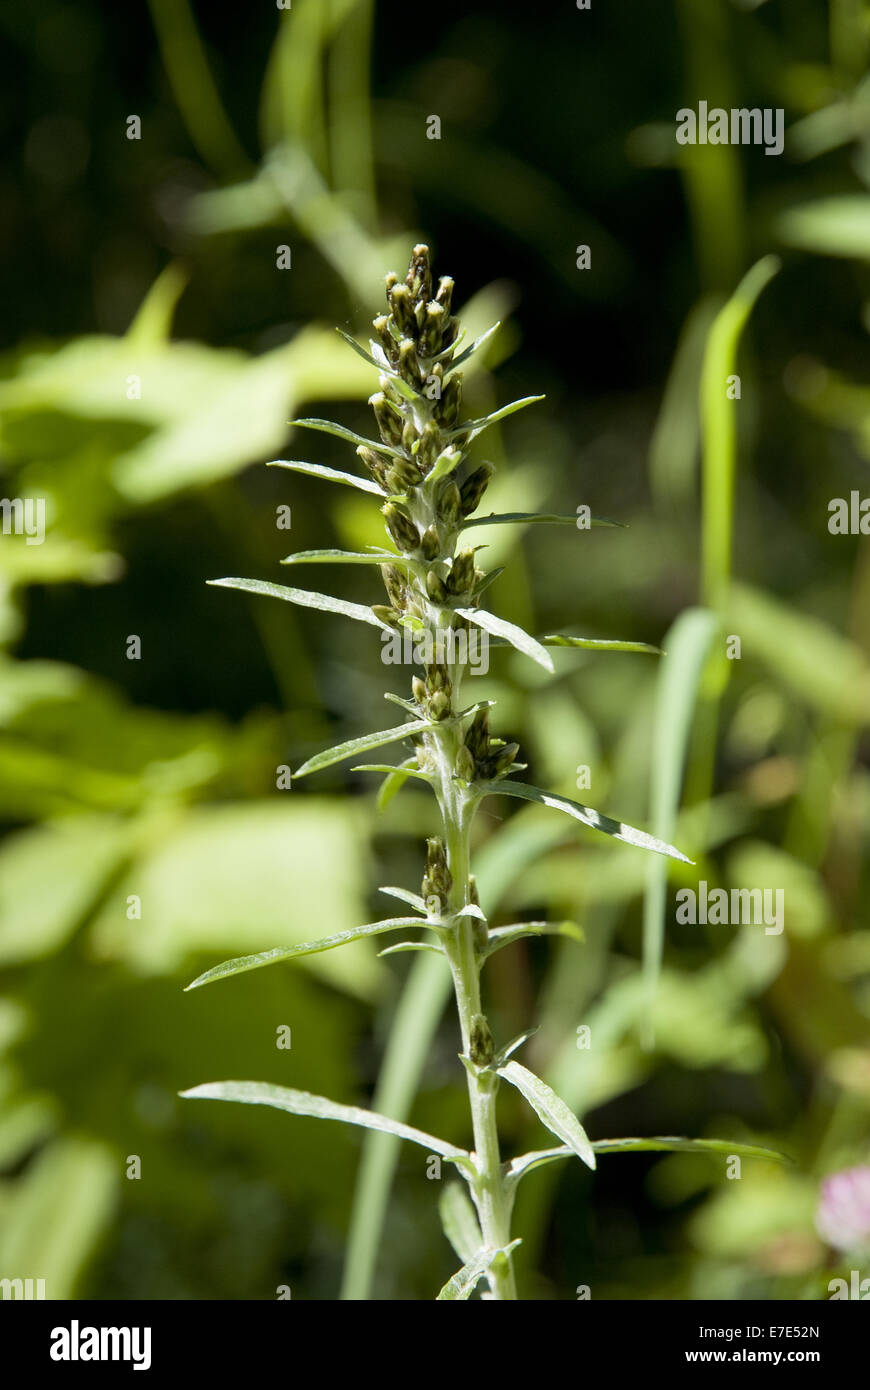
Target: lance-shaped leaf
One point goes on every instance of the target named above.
(518, 1167)
(331, 475)
(533, 518)
(361, 745)
(617, 828)
(413, 899)
(444, 465)
(551, 1110)
(466, 1279)
(242, 964)
(498, 627)
(404, 387)
(514, 1045)
(346, 557)
(598, 644)
(478, 343)
(330, 427)
(319, 1108)
(475, 427)
(506, 936)
(304, 598)
(404, 946)
(459, 1221)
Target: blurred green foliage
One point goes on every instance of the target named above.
(153, 353)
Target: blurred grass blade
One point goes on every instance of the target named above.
(719, 430)
(193, 86)
(319, 1108)
(242, 964)
(459, 1220)
(550, 1109)
(303, 597)
(618, 829)
(498, 627)
(688, 642)
(360, 745)
(332, 475)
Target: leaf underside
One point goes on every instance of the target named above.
(551, 1110)
(352, 746)
(242, 964)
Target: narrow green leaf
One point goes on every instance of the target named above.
(506, 936)
(550, 1109)
(331, 475)
(465, 1280)
(345, 557)
(319, 1108)
(444, 465)
(534, 518)
(476, 427)
(304, 598)
(361, 352)
(403, 946)
(677, 686)
(498, 627)
(360, 745)
(459, 1220)
(400, 772)
(242, 964)
(518, 1167)
(330, 427)
(478, 343)
(513, 1046)
(413, 899)
(618, 829)
(598, 644)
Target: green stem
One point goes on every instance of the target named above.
(457, 808)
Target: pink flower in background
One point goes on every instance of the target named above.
(843, 1217)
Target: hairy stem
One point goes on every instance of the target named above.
(457, 808)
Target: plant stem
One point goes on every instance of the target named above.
(457, 808)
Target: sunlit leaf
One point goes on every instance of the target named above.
(550, 1109)
(243, 964)
(319, 1108)
(331, 475)
(303, 597)
(360, 745)
(618, 829)
(476, 427)
(466, 1279)
(498, 627)
(518, 1167)
(532, 519)
(329, 427)
(506, 936)
(598, 644)
(459, 1220)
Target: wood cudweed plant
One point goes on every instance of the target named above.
(430, 496)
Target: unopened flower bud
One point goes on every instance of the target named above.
(430, 445)
(450, 504)
(401, 527)
(381, 325)
(465, 765)
(401, 475)
(419, 277)
(477, 737)
(461, 576)
(385, 614)
(418, 689)
(445, 292)
(389, 420)
(439, 705)
(377, 464)
(474, 487)
(481, 1048)
(435, 587)
(436, 865)
(451, 400)
(432, 328)
(437, 677)
(430, 544)
(408, 363)
(501, 760)
(401, 304)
